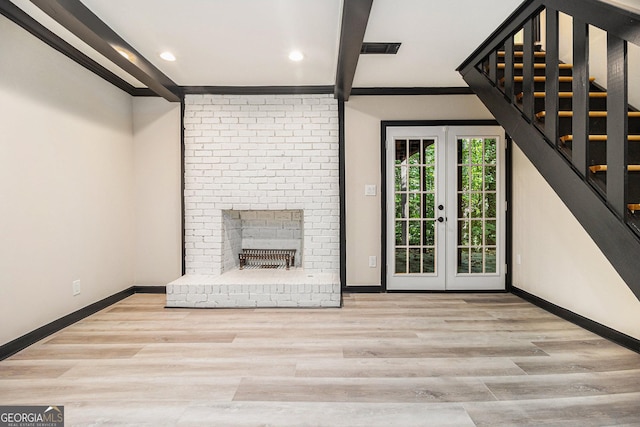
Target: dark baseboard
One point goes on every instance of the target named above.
(379, 289)
(149, 289)
(588, 324)
(42, 332)
(362, 289)
(456, 291)
(34, 336)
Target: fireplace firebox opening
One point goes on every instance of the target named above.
(262, 239)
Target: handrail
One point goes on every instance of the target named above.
(622, 6)
(615, 19)
(507, 27)
(618, 19)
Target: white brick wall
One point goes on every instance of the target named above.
(271, 152)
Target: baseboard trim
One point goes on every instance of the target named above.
(362, 289)
(20, 343)
(590, 325)
(138, 289)
(448, 291)
(12, 347)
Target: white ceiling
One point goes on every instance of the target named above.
(246, 42)
(436, 37)
(231, 42)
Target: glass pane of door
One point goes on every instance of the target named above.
(414, 199)
(476, 195)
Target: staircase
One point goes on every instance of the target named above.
(597, 124)
(580, 133)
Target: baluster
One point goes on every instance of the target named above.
(551, 76)
(527, 71)
(580, 102)
(508, 69)
(493, 67)
(617, 118)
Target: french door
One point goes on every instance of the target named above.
(445, 208)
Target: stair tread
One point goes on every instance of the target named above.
(561, 79)
(536, 65)
(603, 168)
(542, 114)
(565, 95)
(539, 54)
(566, 138)
(632, 207)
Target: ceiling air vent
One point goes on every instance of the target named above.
(380, 48)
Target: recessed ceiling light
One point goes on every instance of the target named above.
(296, 55)
(168, 56)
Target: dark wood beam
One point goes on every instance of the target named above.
(355, 15)
(257, 90)
(461, 90)
(21, 18)
(342, 176)
(77, 18)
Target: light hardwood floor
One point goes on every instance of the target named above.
(382, 360)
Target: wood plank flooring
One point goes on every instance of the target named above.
(381, 360)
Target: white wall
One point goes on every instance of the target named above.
(363, 115)
(66, 173)
(559, 261)
(158, 237)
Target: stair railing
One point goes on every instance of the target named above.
(549, 117)
(622, 26)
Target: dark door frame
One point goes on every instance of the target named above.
(383, 191)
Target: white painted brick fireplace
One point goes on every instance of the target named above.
(250, 159)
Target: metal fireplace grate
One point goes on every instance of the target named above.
(267, 258)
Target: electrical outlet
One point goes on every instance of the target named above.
(373, 261)
(76, 287)
(518, 259)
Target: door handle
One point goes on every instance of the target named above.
(440, 219)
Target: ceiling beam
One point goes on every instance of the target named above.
(18, 16)
(77, 18)
(257, 90)
(355, 16)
